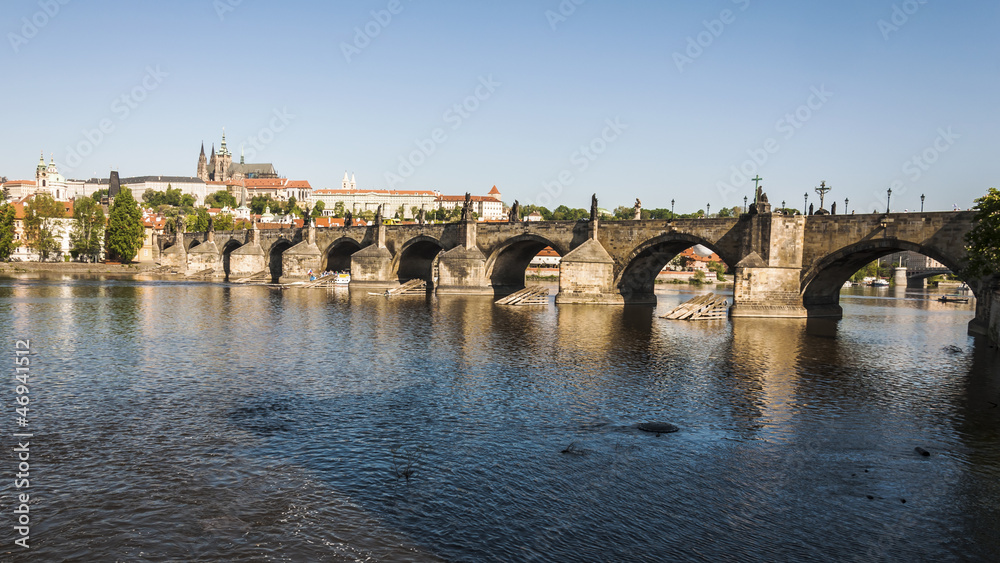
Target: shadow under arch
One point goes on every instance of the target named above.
(637, 279)
(821, 283)
(417, 259)
(227, 251)
(337, 256)
(506, 267)
(274, 254)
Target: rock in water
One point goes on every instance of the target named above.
(921, 451)
(658, 427)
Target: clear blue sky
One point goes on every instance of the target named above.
(924, 86)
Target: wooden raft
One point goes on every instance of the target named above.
(202, 273)
(702, 308)
(531, 295)
(261, 276)
(412, 287)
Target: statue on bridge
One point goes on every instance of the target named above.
(211, 224)
(760, 204)
(467, 209)
(378, 216)
(593, 207)
(638, 209)
(348, 219)
(833, 208)
(515, 213)
(422, 217)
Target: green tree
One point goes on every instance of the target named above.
(7, 243)
(368, 215)
(318, 209)
(38, 215)
(99, 194)
(197, 222)
(983, 241)
(88, 229)
(4, 194)
(125, 231)
(261, 202)
(223, 222)
(719, 268)
(221, 198)
(529, 209)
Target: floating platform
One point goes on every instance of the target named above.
(702, 308)
(531, 295)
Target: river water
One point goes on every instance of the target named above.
(196, 421)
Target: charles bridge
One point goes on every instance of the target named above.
(784, 266)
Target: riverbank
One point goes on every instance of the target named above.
(75, 268)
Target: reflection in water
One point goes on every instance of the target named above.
(192, 421)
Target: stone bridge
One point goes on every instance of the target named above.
(784, 266)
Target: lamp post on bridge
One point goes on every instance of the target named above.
(805, 202)
(922, 196)
(708, 210)
(846, 203)
(782, 206)
(744, 204)
(671, 210)
(888, 198)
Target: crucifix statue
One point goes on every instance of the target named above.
(821, 190)
(756, 188)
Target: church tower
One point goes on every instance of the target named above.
(41, 173)
(224, 162)
(203, 164)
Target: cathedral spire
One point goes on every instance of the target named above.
(203, 148)
(223, 148)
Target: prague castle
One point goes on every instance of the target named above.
(222, 169)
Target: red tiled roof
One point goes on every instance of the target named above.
(380, 192)
(20, 183)
(461, 198)
(494, 191)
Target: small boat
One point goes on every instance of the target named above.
(848, 284)
(342, 279)
(878, 282)
(953, 298)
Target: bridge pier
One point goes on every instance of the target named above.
(371, 267)
(767, 281)
(899, 276)
(914, 282)
(587, 276)
(205, 256)
(462, 270)
(300, 258)
(249, 258)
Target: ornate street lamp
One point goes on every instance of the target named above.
(782, 206)
(671, 209)
(805, 202)
(922, 196)
(744, 204)
(708, 210)
(846, 203)
(888, 198)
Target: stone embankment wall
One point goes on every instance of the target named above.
(74, 268)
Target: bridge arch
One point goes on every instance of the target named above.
(507, 264)
(417, 259)
(274, 256)
(337, 256)
(227, 251)
(822, 281)
(637, 279)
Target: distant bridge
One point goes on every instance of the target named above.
(785, 266)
